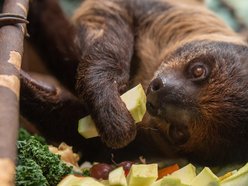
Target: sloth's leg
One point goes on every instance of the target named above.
(52, 34)
(52, 109)
(106, 39)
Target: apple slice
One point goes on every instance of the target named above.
(185, 174)
(135, 100)
(79, 181)
(69, 180)
(142, 174)
(87, 127)
(117, 177)
(169, 181)
(239, 178)
(205, 178)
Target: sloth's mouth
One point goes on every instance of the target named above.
(175, 120)
(178, 134)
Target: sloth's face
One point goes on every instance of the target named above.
(200, 98)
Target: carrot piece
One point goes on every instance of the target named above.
(167, 170)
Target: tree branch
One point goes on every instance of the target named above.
(11, 50)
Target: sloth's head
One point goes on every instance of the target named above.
(199, 97)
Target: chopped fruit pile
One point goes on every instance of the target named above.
(130, 174)
(51, 165)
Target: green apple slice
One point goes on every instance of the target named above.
(69, 180)
(142, 174)
(169, 181)
(205, 178)
(79, 181)
(87, 127)
(239, 178)
(135, 100)
(185, 174)
(117, 177)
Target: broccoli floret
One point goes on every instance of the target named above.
(45, 161)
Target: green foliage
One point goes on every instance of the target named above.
(86, 172)
(35, 157)
(24, 135)
(29, 173)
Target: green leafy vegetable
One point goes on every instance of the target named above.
(85, 172)
(24, 135)
(35, 157)
(29, 173)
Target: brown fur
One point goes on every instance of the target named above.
(126, 42)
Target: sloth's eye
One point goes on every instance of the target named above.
(198, 71)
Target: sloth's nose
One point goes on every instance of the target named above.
(155, 89)
(156, 85)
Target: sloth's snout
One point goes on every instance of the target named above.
(165, 101)
(154, 92)
(166, 93)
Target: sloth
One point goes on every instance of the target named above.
(193, 67)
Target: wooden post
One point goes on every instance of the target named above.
(11, 50)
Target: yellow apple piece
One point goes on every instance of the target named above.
(142, 174)
(135, 100)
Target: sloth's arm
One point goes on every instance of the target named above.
(52, 108)
(55, 112)
(106, 40)
(53, 35)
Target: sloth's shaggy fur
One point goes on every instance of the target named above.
(194, 67)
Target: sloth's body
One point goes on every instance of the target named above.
(194, 68)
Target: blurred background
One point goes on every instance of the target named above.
(234, 13)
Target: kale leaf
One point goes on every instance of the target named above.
(33, 156)
(29, 173)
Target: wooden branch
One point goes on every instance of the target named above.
(11, 49)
